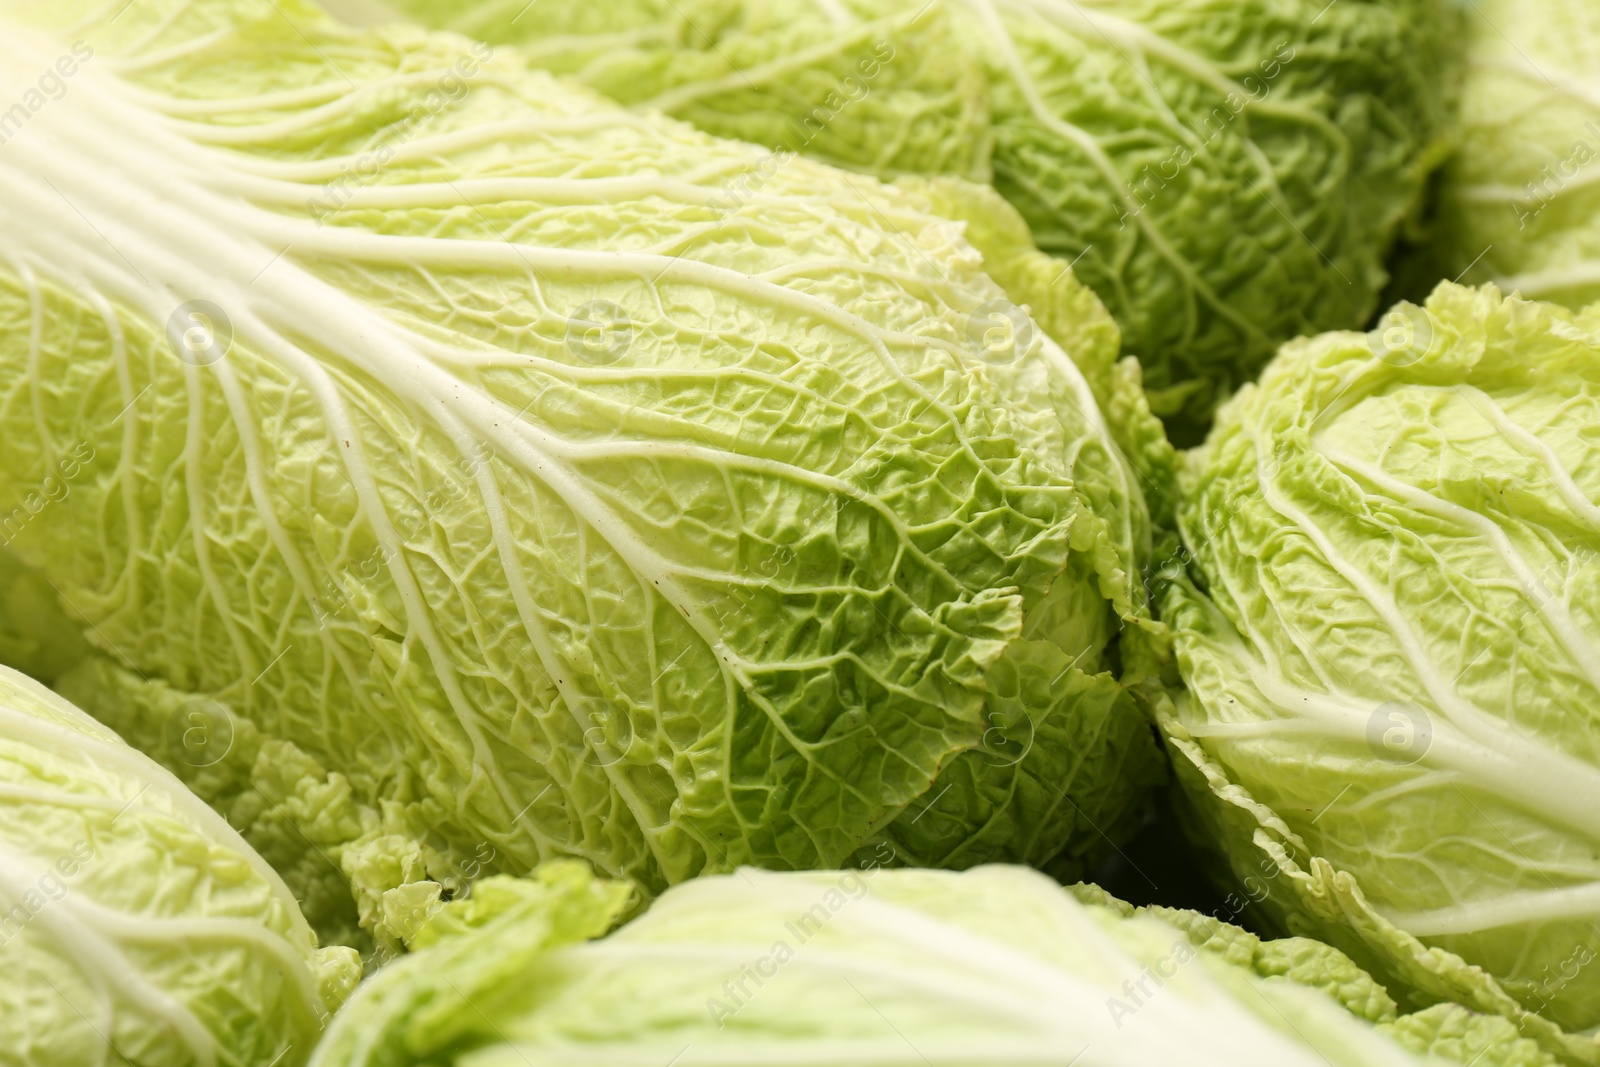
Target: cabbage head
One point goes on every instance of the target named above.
(136, 926)
(996, 966)
(1519, 202)
(1225, 174)
(502, 491)
(1389, 630)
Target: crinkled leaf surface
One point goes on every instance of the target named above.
(1391, 645)
(1519, 202)
(515, 495)
(136, 927)
(1226, 175)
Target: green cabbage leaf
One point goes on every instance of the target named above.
(1388, 627)
(1224, 174)
(1519, 201)
(496, 489)
(136, 927)
(996, 966)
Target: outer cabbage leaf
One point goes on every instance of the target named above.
(1225, 174)
(997, 965)
(1451, 1032)
(1519, 202)
(1390, 637)
(136, 926)
(515, 495)
(1046, 287)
